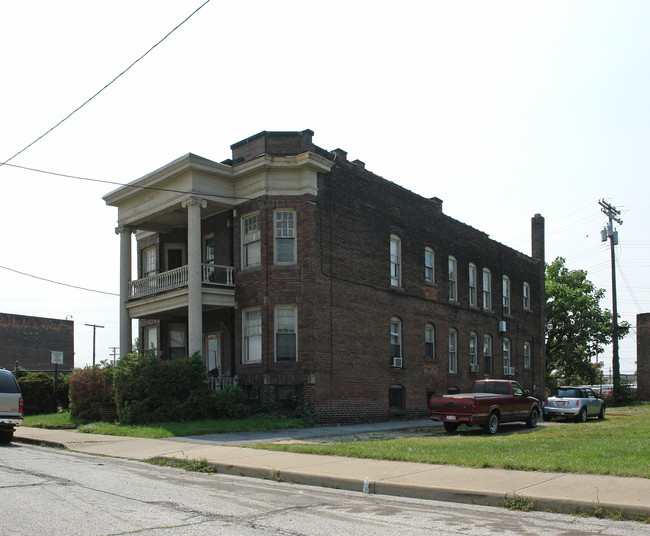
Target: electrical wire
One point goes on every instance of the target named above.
(105, 87)
(58, 282)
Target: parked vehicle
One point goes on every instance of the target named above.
(11, 406)
(577, 403)
(490, 403)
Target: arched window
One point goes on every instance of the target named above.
(527, 361)
(487, 289)
(395, 261)
(473, 352)
(506, 294)
(453, 351)
(453, 279)
(487, 354)
(473, 285)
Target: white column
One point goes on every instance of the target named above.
(194, 283)
(125, 278)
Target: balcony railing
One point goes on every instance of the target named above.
(173, 279)
(220, 383)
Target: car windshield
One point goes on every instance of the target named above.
(8, 384)
(567, 393)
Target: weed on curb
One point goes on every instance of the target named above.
(196, 466)
(517, 502)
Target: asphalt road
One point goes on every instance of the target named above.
(51, 492)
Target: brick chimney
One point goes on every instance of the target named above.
(537, 237)
(272, 143)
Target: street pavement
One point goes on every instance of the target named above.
(555, 492)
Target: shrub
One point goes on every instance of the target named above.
(148, 389)
(231, 403)
(90, 388)
(62, 391)
(38, 392)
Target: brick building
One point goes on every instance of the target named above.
(312, 279)
(29, 341)
(643, 355)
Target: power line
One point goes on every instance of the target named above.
(105, 87)
(58, 282)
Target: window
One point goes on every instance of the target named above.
(251, 252)
(453, 351)
(506, 294)
(487, 354)
(149, 262)
(429, 272)
(472, 285)
(285, 237)
(151, 338)
(473, 352)
(396, 398)
(526, 355)
(395, 339)
(526, 296)
(453, 280)
(429, 342)
(208, 257)
(508, 370)
(177, 341)
(252, 344)
(487, 290)
(395, 261)
(174, 256)
(286, 330)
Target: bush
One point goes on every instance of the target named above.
(231, 403)
(148, 389)
(90, 388)
(38, 392)
(62, 391)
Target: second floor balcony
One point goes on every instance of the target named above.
(167, 291)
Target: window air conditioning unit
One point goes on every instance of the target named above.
(473, 367)
(508, 371)
(397, 362)
(502, 326)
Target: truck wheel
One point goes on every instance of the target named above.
(492, 424)
(451, 427)
(601, 415)
(531, 422)
(6, 437)
(582, 416)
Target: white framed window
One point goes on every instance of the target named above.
(429, 342)
(395, 261)
(473, 285)
(527, 361)
(175, 256)
(285, 237)
(395, 340)
(487, 289)
(507, 359)
(505, 285)
(453, 351)
(150, 338)
(473, 352)
(487, 354)
(526, 296)
(252, 333)
(251, 247)
(286, 333)
(149, 265)
(208, 257)
(429, 271)
(453, 279)
(177, 341)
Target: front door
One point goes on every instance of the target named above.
(212, 345)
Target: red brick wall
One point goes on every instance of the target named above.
(643, 355)
(29, 340)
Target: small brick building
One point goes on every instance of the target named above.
(317, 282)
(643, 355)
(29, 341)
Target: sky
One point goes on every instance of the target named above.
(501, 109)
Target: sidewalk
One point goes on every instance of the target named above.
(557, 492)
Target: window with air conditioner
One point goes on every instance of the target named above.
(395, 340)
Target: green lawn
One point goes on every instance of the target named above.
(254, 423)
(619, 445)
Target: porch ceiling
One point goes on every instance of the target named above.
(175, 303)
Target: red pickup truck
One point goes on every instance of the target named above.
(490, 403)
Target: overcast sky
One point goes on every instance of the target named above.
(501, 109)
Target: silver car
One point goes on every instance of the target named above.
(577, 403)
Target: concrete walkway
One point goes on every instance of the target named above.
(558, 492)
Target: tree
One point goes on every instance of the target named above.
(577, 329)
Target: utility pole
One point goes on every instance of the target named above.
(114, 352)
(94, 326)
(609, 232)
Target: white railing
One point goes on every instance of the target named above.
(220, 383)
(177, 278)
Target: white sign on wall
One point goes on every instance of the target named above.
(57, 358)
